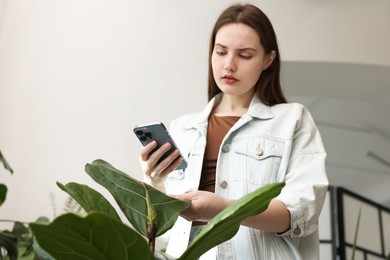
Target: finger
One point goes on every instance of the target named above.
(151, 160)
(152, 167)
(172, 166)
(156, 155)
(186, 218)
(169, 164)
(147, 150)
(184, 196)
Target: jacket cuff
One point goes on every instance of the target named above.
(297, 221)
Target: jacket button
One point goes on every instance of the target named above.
(259, 151)
(223, 184)
(225, 148)
(297, 231)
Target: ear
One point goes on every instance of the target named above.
(268, 59)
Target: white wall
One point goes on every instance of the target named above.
(75, 76)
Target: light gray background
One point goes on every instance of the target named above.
(76, 76)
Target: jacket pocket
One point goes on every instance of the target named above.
(257, 161)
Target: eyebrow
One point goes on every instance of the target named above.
(240, 49)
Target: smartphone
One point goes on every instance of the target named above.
(158, 132)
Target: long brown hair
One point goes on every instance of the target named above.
(268, 86)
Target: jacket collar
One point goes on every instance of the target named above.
(257, 109)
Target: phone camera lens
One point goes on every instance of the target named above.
(139, 132)
(143, 138)
(148, 134)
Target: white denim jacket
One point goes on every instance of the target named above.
(266, 145)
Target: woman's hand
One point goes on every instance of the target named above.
(204, 205)
(155, 173)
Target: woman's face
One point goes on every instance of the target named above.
(238, 59)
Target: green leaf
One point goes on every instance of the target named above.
(8, 241)
(96, 236)
(25, 241)
(41, 254)
(5, 163)
(3, 193)
(20, 230)
(89, 199)
(226, 224)
(135, 198)
(42, 220)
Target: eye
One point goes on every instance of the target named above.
(220, 53)
(244, 56)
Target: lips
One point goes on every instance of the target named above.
(229, 79)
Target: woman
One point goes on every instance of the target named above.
(246, 137)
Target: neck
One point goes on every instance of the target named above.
(233, 105)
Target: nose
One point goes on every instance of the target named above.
(230, 64)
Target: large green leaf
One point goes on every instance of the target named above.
(89, 199)
(139, 202)
(3, 193)
(96, 236)
(226, 224)
(41, 254)
(5, 163)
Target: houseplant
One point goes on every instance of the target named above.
(103, 235)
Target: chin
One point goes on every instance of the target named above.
(231, 90)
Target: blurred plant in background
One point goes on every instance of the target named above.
(18, 243)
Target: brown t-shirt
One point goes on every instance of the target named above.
(216, 131)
